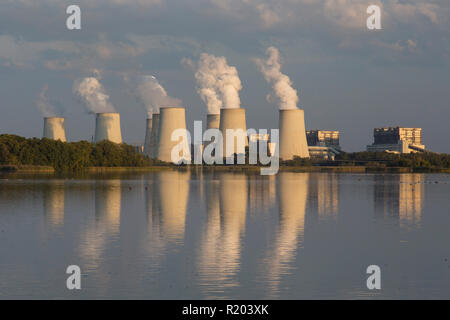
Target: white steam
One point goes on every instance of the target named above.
(154, 96)
(48, 107)
(93, 95)
(282, 86)
(218, 84)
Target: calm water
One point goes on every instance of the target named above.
(193, 235)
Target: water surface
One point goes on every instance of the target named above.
(199, 235)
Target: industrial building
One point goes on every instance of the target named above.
(397, 140)
(323, 144)
(55, 128)
(292, 134)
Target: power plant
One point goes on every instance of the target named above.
(213, 121)
(233, 119)
(292, 134)
(107, 127)
(172, 119)
(154, 136)
(148, 134)
(55, 128)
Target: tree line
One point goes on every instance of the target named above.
(69, 156)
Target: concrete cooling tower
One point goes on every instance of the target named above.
(292, 134)
(233, 119)
(107, 127)
(154, 136)
(148, 134)
(55, 128)
(212, 121)
(170, 120)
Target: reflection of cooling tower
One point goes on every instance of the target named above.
(172, 119)
(154, 135)
(148, 134)
(173, 199)
(212, 121)
(292, 134)
(108, 197)
(233, 119)
(55, 128)
(107, 127)
(54, 203)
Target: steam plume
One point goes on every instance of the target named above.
(218, 84)
(154, 96)
(93, 95)
(281, 84)
(47, 107)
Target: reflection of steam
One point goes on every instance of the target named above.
(54, 203)
(219, 259)
(292, 195)
(107, 220)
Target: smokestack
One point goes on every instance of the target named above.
(55, 128)
(292, 134)
(148, 134)
(212, 121)
(154, 136)
(107, 127)
(233, 119)
(171, 119)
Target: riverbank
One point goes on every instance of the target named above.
(223, 168)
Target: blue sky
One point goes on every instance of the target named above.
(348, 78)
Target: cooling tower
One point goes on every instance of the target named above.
(172, 119)
(55, 128)
(154, 135)
(212, 121)
(292, 134)
(233, 119)
(107, 127)
(148, 134)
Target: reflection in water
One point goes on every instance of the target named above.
(327, 192)
(54, 202)
(262, 193)
(108, 195)
(292, 197)
(220, 250)
(400, 197)
(170, 200)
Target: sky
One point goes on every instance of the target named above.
(348, 78)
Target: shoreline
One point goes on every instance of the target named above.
(5, 169)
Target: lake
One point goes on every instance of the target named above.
(225, 235)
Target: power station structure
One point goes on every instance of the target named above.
(55, 128)
(292, 134)
(107, 127)
(234, 131)
(213, 121)
(323, 144)
(397, 140)
(173, 145)
(154, 136)
(148, 134)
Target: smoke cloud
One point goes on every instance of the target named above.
(281, 84)
(93, 95)
(152, 94)
(218, 84)
(47, 107)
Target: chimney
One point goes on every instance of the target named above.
(107, 127)
(292, 134)
(154, 136)
(233, 119)
(171, 119)
(55, 128)
(148, 134)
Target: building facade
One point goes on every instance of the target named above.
(397, 140)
